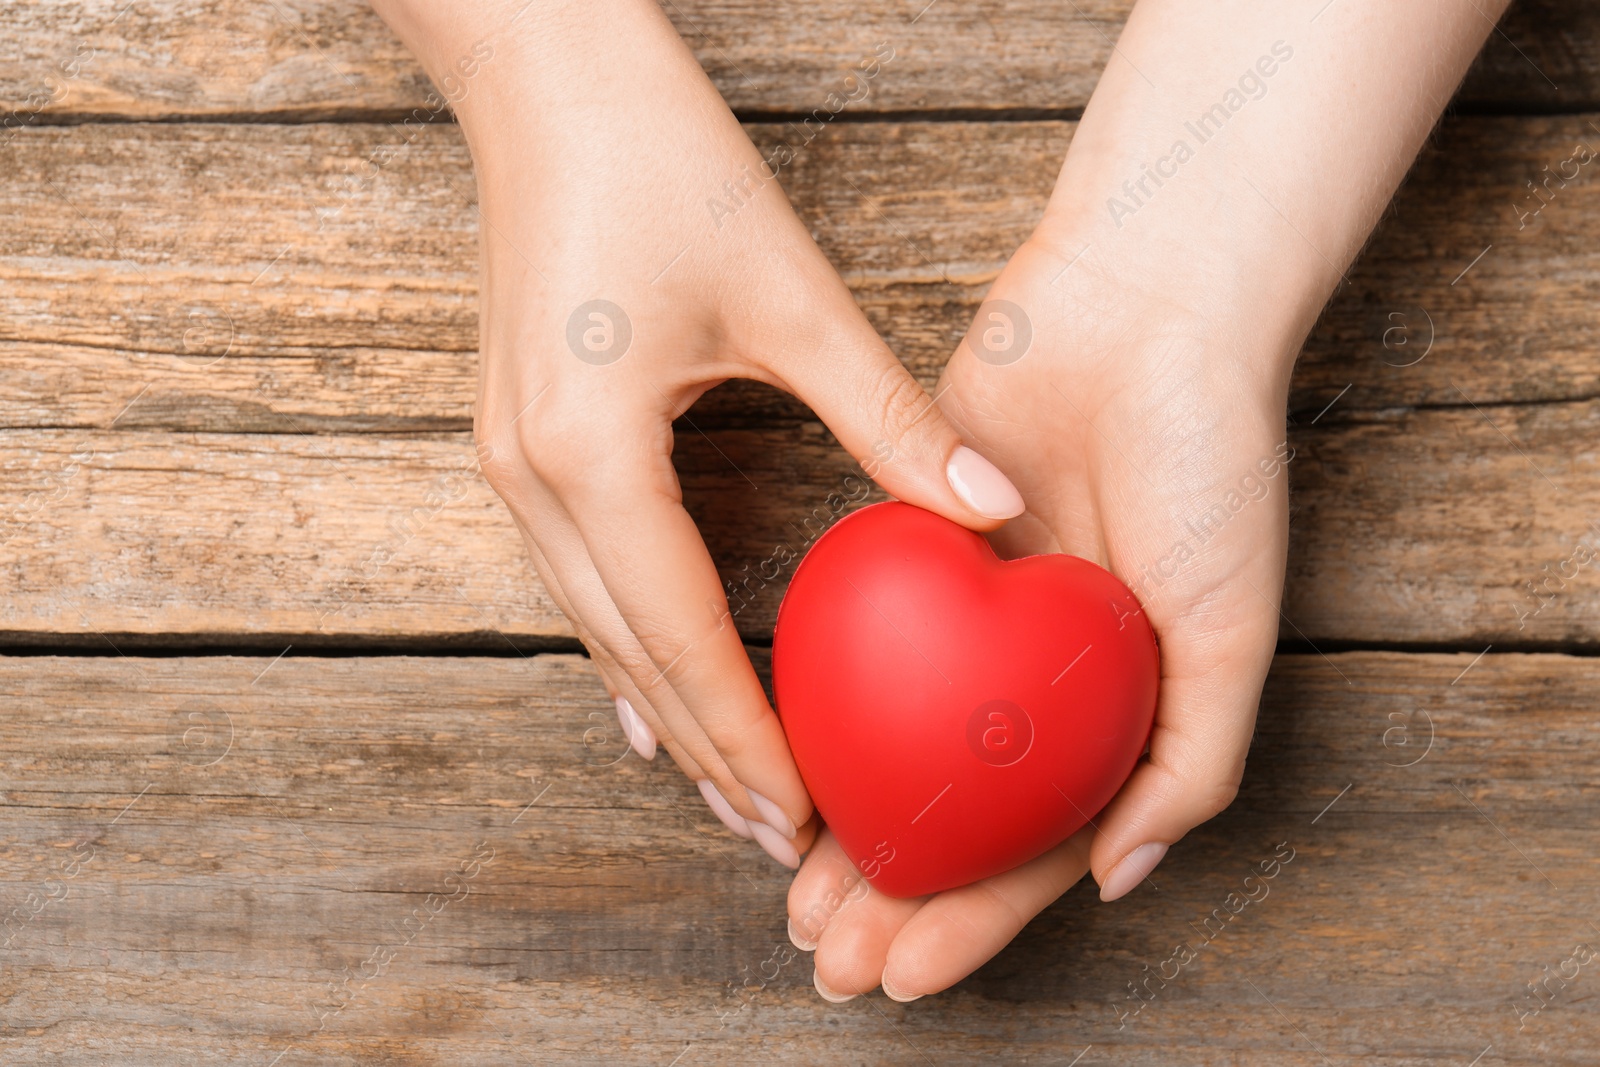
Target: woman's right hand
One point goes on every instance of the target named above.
(634, 255)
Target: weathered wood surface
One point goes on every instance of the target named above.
(302, 59)
(1431, 526)
(1459, 526)
(250, 833)
(264, 279)
(1480, 516)
(181, 278)
(238, 374)
(302, 537)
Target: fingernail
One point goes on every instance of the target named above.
(771, 814)
(894, 994)
(827, 994)
(723, 810)
(1134, 868)
(981, 486)
(778, 847)
(636, 730)
(797, 941)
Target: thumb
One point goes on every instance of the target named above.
(897, 432)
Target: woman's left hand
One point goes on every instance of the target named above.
(1145, 431)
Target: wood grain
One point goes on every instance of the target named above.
(239, 364)
(293, 59)
(1411, 508)
(1460, 526)
(251, 832)
(261, 279)
(257, 537)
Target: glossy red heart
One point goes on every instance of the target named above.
(955, 715)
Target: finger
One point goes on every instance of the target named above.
(635, 731)
(809, 834)
(639, 722)
(827, 883)
(582, 594)
(884, 418)
(959, 930)
(640, 737)
(693, 670)
(641, 729)
(835, 913)
(786, 852)
(855, 946)
(1211, 683)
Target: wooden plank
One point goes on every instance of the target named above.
(1405, 520)
(249, 833)
(1455, 525)
(252, 279)
(297, 59)
(260, 538)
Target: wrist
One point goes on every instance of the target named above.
(508, 65)
(1253, 290)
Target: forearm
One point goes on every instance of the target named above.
(564, 75)
(578, 44)
(1236, 155)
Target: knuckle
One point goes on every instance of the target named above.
(1001, 903)
(1216, 794)
(662, 645)
(900, 403)
(731, 745)
(544, 440)
(729, 786)
(496, 461)
(635, 662)
(577, 442)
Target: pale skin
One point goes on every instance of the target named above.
(1164, 334)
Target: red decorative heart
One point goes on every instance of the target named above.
(955, 715)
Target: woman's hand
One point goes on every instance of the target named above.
(1166, 293)
(1149, 440)
(637, 252)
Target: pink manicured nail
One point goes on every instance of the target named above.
(636, 730)
(827, 994)
(1134, 868)
(723, 810)
(981, 486)
(771, 814)
(797, 941)
(778, 847)
(894, 994)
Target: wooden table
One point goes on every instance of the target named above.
(299, 764)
